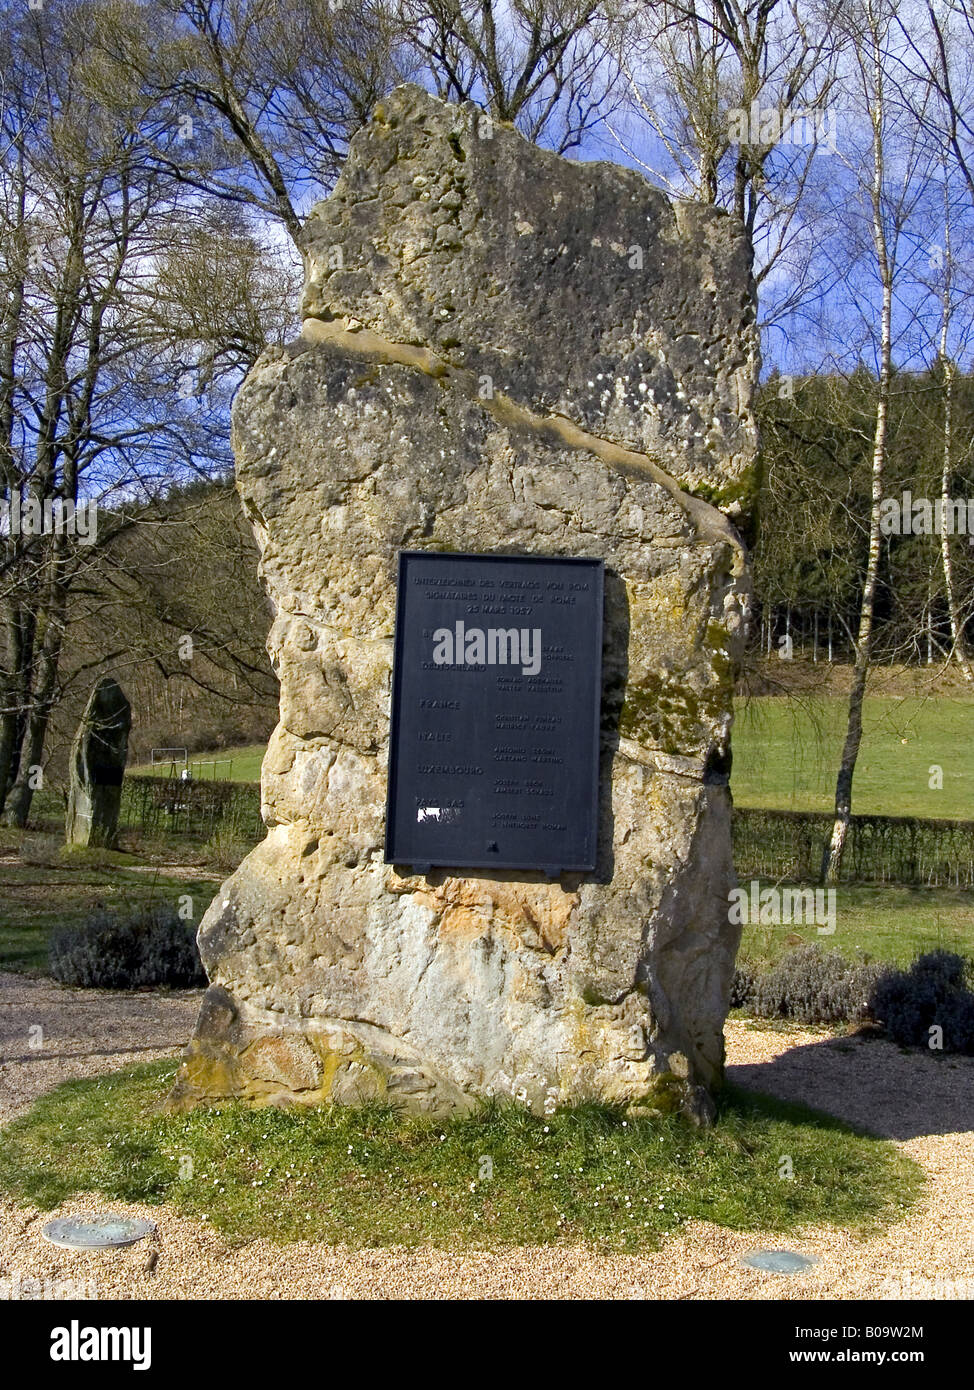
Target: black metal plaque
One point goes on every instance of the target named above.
(494, 748)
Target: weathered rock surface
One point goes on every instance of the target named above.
(97, 766)
(481, 369)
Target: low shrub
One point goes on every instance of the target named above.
(809, 986)
(149, 948)
(934, 992)
(741, 987)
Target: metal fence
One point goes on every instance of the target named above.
(168, 805)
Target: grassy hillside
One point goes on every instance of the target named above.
(786, 752)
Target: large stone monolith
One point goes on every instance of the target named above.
(503, 351)
(98, 756)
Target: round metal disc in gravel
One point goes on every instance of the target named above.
(103, 1232)
(779, 1261)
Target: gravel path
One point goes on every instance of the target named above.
(83, 1032)
(924, 1103)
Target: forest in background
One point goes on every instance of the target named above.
(159, 158)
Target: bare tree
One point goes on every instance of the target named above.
(253, 101)
(117, 364)
(543, 65)
(958, 643)
(731, 104)
(936, 89)
(74, 214)
(941, 54)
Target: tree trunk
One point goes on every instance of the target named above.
(832, 859)
(958, 645)
(11, 693)
(21, 794)
(863, 652)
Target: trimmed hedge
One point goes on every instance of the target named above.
(879, 849)
(767, 844)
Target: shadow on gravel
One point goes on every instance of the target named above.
(872, 1084)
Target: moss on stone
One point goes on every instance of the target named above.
(670, 713)
(205, 1076)
(668, 1094)
(740, 494)
(592, 997)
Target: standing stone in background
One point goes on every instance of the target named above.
(98, 757)
(503, 352)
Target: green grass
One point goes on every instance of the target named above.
(874, 923)
(35, 897)
(376, 1177)
(228, 765)
(786, 753)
